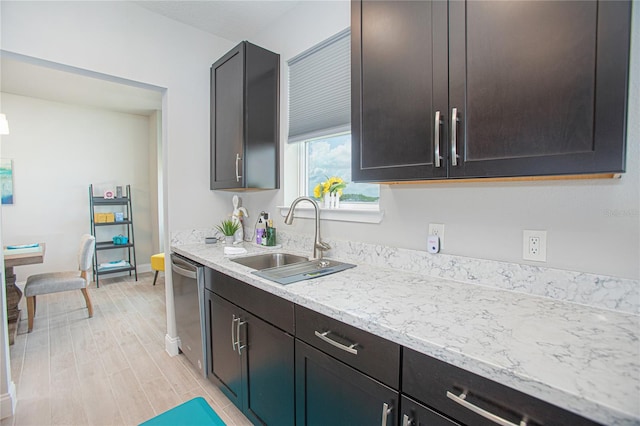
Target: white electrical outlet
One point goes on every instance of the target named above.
(437, 229)
(534, 245)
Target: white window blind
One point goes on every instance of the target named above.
(320, 89)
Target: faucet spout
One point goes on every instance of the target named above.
(318, 245)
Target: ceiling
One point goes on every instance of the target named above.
(43, 80)
(234, 20)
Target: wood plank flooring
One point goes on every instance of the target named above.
(111, 369)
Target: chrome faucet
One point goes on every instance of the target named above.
(318, 246)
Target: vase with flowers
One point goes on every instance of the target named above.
(330, 190)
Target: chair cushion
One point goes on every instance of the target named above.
(157, 262)
(53, 282)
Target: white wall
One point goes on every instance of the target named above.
(124, 40)
(593, 226)
(58, 150)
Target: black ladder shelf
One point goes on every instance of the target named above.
(126, 228)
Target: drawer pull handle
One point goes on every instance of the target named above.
(484, 413)
(325, 336)
(386, 410)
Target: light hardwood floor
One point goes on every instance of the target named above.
(111, 369)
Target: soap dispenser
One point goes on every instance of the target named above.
(261, 228)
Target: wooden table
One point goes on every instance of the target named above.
(14, 294)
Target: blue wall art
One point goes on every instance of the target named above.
(6, 181)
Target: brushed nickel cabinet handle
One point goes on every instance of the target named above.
(454, 136)
(461, 399)
(406, 421)
(238, 324)
(233, 329)
(325, 336)
(238, 175)
(436, 139)
(386, 410)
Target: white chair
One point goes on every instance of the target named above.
(53, 282)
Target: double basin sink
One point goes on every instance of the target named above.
(285, 268)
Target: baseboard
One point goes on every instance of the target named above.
(171, 345)
(146, 267)
(8, 402)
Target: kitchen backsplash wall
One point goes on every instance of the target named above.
(618, 294)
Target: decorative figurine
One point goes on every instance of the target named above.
(238, 214)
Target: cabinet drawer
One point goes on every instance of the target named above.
(436, 384)
(373, 355)
(262, 304)
(415, 414)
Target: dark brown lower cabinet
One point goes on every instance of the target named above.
(329, 392)
(332, 373)
(251, 361)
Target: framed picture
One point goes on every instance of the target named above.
(6, 181)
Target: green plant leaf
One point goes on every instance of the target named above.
(228, 227)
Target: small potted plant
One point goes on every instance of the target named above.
(228, 227)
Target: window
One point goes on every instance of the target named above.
(320, 119)
(328, 156)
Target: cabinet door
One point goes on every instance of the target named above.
(329, 392)
(227, 120)
(225, 367)
(413, 413)
(539, 87)
(262, 118)
(394, 98)
(269, 372)
(257, 372)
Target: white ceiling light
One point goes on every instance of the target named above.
(4, 125)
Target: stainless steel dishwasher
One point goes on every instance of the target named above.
(188, 297)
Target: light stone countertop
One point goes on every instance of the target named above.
(581, 358)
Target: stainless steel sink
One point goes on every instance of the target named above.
(285, 268)
(310, 269)
(269, 260)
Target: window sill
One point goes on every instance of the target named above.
(344, 214)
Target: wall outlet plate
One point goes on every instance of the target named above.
(534, 245)
(437, 229)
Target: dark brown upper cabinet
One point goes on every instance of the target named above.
(245, 87)
(488, 88)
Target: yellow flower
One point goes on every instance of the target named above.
(333, 185)
(336, 185)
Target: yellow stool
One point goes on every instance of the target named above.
(157, 264)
